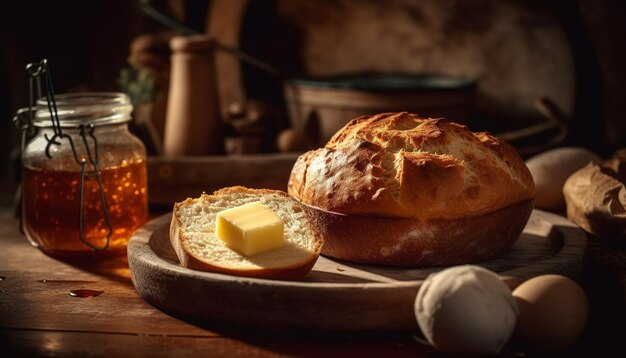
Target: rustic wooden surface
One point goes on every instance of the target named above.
(175, 179)
(335, 295)
(40, 318)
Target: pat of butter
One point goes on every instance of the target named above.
(250, 228)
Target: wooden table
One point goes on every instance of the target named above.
(39, 318)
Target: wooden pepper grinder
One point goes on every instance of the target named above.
(193, 124)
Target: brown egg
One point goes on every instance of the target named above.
(551, 169)
(553, 312)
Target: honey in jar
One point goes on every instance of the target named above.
(52, 184)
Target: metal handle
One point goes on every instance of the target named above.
(36, 71)
(553, 119)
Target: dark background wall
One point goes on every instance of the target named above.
(86, 43)
(573, 52)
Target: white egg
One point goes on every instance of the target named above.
(551, 169)
(466, 310)
(553, 311)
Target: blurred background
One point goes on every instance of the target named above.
(542, 73)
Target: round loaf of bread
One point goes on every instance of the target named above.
(401, 190)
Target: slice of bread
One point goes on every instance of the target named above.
(192, 234)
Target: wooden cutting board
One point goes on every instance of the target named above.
(335, 295)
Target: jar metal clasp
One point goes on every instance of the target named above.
(36, 71)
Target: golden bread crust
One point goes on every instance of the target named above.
(409, 243)
(402, 166)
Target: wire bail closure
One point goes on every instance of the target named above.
(36, 71)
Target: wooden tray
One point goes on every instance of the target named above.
(177, 178)
(335, 295)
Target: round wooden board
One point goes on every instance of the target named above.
(335, 295)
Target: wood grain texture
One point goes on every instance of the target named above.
(34, 294)
(40, 318)
(175, 179)
(89, 344)
(335, 295)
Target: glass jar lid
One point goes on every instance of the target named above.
(73, 109)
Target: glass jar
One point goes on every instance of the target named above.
(114, 203)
